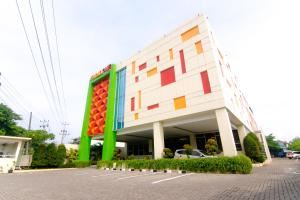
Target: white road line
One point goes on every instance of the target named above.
(102, 175)
(168, 179)
(80, 174)
(138, 175)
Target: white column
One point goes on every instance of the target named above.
(159, 142)
(18, 152)
(242, 134)
(225, 130)
(193, 141)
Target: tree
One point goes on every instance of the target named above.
(61, 155)
(51, 155)
(38, 137)
(273, 145)
(8, 125)
(295, 144)
(39, 157)
(168, 153)
(211, 146)
(188, 149)
(253, 148)
(72, 155)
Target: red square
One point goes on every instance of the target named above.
(167, 76)
(157, 58)
(142, 66)
(136, 79)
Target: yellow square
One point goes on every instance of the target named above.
(179, 103)
(199, 47)
(136, 116)
(152, 72)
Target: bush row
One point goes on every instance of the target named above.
(237, 164)
(81, 163)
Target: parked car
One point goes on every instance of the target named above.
(196, 153)
(293, 154)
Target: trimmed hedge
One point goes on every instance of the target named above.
(237, 164)
(81, 163)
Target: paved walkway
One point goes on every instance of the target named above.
(280, 180)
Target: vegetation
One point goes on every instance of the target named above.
(38, 137)
(8, 125)
(273, 145)
(211, 147)
(188, 149)
(81, 163)
(61, 155)
(295, 144)
(48, 156)
(117, 154)
(96, 152)
(168, 153)
(253, 148)
(39, 159)
(237, 164)
(71, 156)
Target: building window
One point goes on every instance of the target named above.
(199, 48)
(142, 66)
(153, 106)
(136, 116)
(167, 76)
(189, 33)
(152, 72)
(171, 54)
(237, 140)
(133, 67)
(205, 82)
(132, 104)
(182, 61)
(120, 99)
(157, 58)
(140, 98)
(179, 103)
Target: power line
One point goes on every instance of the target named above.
(18, 95)
(50, 54)
(58, 59)
(35, 63)
(43, 60)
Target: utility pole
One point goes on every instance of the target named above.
(44, 124)
(29, 124)
(64, 132)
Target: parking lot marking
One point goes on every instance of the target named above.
(168, 179)
(138, 175)
(80, 174)
(102, 175)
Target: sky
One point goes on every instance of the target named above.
(259, 37)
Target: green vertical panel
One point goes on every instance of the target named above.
(109, 133)
(85, 140)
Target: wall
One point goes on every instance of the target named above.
(154, 102)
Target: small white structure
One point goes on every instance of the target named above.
(13, 153)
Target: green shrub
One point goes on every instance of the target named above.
(71, 156)
(188, 149)
(253, 148)
(211, 146)
(61, 155)
(39, 159)
(81, 163)
(168, 153)
(237, 164)
(51, 155)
